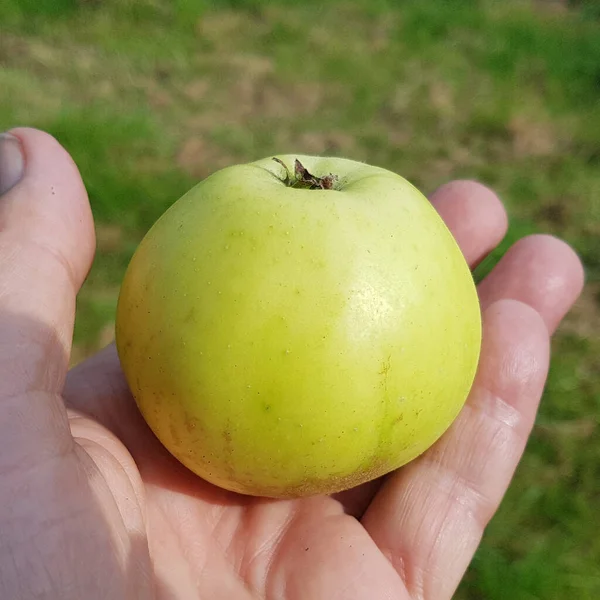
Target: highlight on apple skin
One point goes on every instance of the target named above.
(298, 325)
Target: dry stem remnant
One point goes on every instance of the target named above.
(305, 180)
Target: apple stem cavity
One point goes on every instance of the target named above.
(302, 179)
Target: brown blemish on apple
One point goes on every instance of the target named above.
(190, 424)
(385, 371)
(174, 434)
(228, 449)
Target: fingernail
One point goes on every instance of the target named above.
(12, 163)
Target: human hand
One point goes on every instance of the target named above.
(92, 506)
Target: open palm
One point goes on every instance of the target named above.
(92, 506)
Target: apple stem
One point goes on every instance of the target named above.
(302, 179)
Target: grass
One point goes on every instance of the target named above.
(151, 95)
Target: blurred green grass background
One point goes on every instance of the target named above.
(150, 96)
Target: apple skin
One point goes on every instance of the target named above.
(286, 342)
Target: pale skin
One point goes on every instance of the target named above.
(91, 506)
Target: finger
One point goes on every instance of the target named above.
(540, 271)
(474, 215)
(429, 517)
(46, 247)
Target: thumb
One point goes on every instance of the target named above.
(46, 249)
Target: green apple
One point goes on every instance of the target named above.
(298, 326)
